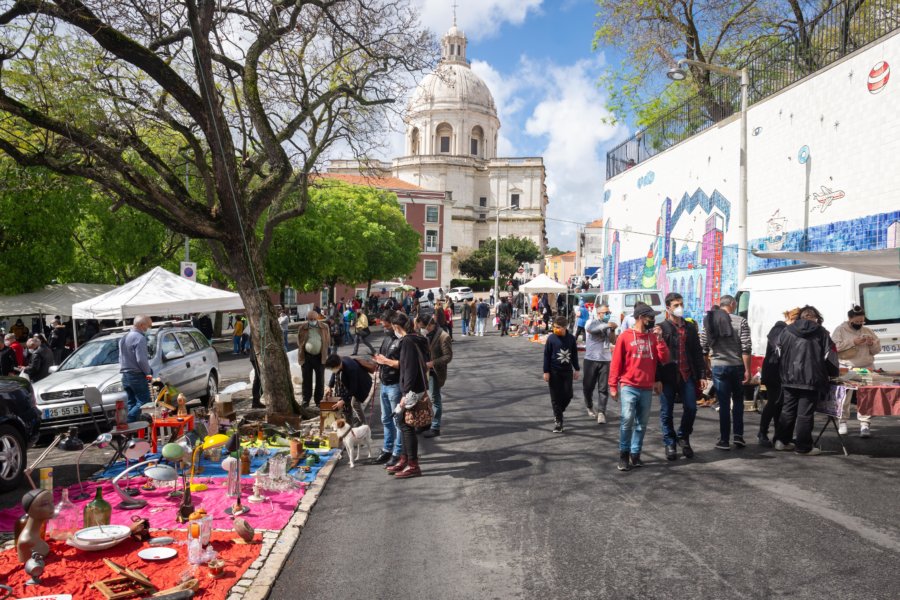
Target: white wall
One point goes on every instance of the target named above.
(823, 160)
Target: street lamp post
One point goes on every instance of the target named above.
(497, 250)
(679, 74)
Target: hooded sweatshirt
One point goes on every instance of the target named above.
(634, 359)
(807, 356)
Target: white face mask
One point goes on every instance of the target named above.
(678, 311)
(423, 331)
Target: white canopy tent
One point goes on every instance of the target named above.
(160, 293)
(56, 299)
(880, 263)
(542, 284)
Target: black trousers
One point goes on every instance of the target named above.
(313, 366)
(410, 441)
(504, 326)
(772, 411)
(364, 339)
(560, 392)
(596, 375)
(580, 332)
(798, 412)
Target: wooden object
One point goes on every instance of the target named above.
(191, 584)
(130, 583)
(328, 414)
(280, 419)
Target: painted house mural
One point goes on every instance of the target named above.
(823, 176)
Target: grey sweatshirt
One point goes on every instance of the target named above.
(728, 351)
(597, 347)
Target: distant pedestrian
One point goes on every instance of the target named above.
(313, 347)
(504, 313)
(681, 378)
(40, 361)
(57, 339)
(473, 316)
(582, 314)
(491, 296)
(560, 368)
(600, 338)
(808, 358)
(857, 346)
(284, 320)
(770, 377)
(726, 337)
(632, 378)
(236, 335)
(483, 311)
(362, 333)
(464, 314)
(245, 337)
(349, 320)
(441, 351)
(18, 352)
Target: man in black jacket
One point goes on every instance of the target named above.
(8, 362)
(808, 357)
(504, 313)
(680, 377)
(351, 384)
(40, 361)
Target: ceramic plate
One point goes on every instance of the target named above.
(93, 546)
(106, 533)
(157, 553)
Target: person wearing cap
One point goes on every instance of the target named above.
(726, 338)
(313, 342)
(632, 378)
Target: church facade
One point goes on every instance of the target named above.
(451, 147)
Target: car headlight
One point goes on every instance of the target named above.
(115, 387)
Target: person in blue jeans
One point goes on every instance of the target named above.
(726, 338)
(681, 377)
(441, 347)
(390, 394)
(134, 365)
(632, 378)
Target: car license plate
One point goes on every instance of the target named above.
(65, 411)
(890, 348)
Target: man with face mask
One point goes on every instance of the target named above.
(600, 337)
(683, 376)
(857, 346)
(560, 368)
(134, 365)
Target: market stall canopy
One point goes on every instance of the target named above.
(157, 293)
(56, 299)
(543, 285)
(385, 285)
(880, 263)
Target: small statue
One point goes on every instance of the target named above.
(30, 545)
(182, 405)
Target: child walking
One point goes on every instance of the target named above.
(560, 368)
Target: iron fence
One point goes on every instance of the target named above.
(774, 64)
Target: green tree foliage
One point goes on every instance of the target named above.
(554, 251)
(349, 234)
(36, 224)
(513, 252)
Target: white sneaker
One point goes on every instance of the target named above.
(601, 418)
(842, 428)
(864, 430)
(782, 446)
(814, 452)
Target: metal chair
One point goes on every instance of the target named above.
(94, 399)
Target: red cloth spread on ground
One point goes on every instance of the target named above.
(72, 571)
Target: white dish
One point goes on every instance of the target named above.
(101, 535)
(157, 553)
(94, 546)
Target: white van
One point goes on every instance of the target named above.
(764, 296)
(621, 302)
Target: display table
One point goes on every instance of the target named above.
(878, 400)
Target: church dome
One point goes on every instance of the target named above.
(453, 84)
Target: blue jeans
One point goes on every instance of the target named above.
(634, 404)
(730, 394)
(479, 325)
(434, 390)
(465, 326)
(347, 337)
(390, 398)
(284, 331)
(667, 406)
(138, 393)
(237, 344)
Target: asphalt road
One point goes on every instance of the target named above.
(506, 509)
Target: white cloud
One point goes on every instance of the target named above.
(478, 18)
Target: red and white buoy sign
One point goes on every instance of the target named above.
(878, 77)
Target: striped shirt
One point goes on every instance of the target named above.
(728, 351)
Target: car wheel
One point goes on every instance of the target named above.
(12, 458)
(212, 388)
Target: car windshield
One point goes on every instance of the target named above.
(101, 352)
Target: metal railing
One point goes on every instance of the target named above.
(775, 63)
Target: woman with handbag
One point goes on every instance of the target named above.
(415, 407)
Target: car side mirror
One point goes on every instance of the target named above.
(174, 355)
(54, 368)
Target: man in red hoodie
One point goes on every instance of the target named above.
(632, 376)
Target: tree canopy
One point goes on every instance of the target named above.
(513, 252)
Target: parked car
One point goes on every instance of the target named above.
(621, 302)
(180, 356)
(458, 294)
(20, 424)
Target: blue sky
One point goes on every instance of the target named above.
(536, 57)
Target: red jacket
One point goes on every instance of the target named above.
(635, 358)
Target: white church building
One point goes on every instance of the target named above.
(451, 147)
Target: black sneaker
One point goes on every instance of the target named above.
(686, 447)
(432, 433)
(382, 458)
(623, 465)
(636, 460)
(723, 445)
(763, 440)
(671, 452)
(393, 460)
(558, 428)
(739, 441)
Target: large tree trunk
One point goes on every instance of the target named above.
(268, 342)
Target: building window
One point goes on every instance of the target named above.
(480, 243)
(430, 269)
(443, 133)
(482, 201)
(403, 210)
(482, 216)
(432, 214)
(445, 144)
(514, 201)
(431, 240)
(474, 147)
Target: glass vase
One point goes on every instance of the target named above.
(98, 511)
(66, 519)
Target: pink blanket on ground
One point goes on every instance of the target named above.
(273, 513)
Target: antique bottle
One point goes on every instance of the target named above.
(65, 521)
(245, 462)
(98, 511)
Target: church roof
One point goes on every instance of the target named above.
(384, 183)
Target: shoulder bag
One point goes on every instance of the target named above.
(422, 413)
